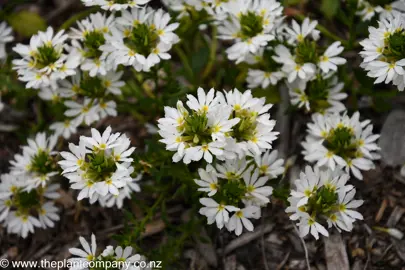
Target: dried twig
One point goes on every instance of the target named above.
(284, 261)
(247, 237)
(266, 265)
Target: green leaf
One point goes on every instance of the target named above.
(199, 59)
(330, 7)
(27, 23)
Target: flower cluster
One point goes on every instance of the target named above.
(239, 187)
(37, 163)
(308, 70)
(322, 196)
(86, 99)
(110, 258)
(339, 140)
(367, 9)
(141, 39)
(45, 60)
(87, 40)
(384, 52)
(24, 208)
(26, 193)
(250, 24)
(100, 167)
(225, 126)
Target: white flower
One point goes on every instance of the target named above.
(366, 11)
(220, 124)
(125, 192)
(49, 93)
(36, 160)
(322, 196)
(346, 206)
(65, 129)
(322, 95)
(44, 61)
(48, 214)
(209, 180)
(5, 37)
(87, 112)
(269, 165)
(205, 102)
(298, 33)
(240, 219)
(255, 186)
(308, 224)
(21, 224)
(142, 38)
(260, 78)
(383, 57)
(391, 10)
(250, 25)
(87, 40)
(254, 132)
(306, 185)
(341, 140)
(74, 159)
(100, 166)
(196, 153)
(85, 255)
(215, 212)
(101, 142)
(232, 169)
(329, 60)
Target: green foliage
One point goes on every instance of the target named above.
(330, 8)
(251, 24)
(306, 52)
(25, 200)
(42, 163)
(27, 23)
(141, 39)
(341, 141)
(100, 166)
(93, 40)
(322, 202)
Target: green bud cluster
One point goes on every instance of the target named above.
(342, 142)
(395, 46)
(42, 163)
(231, 191)
(251, 25)
(246, 128)
(99, 166)
(46, 55)
(196, 130)
(142, 39)
(317, 94)
(323, 202)
(92, 41)
(306, 52)
(26, 202)
(93, 87)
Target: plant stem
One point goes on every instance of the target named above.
(213, 53)
(72, 20)
(185, 62)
